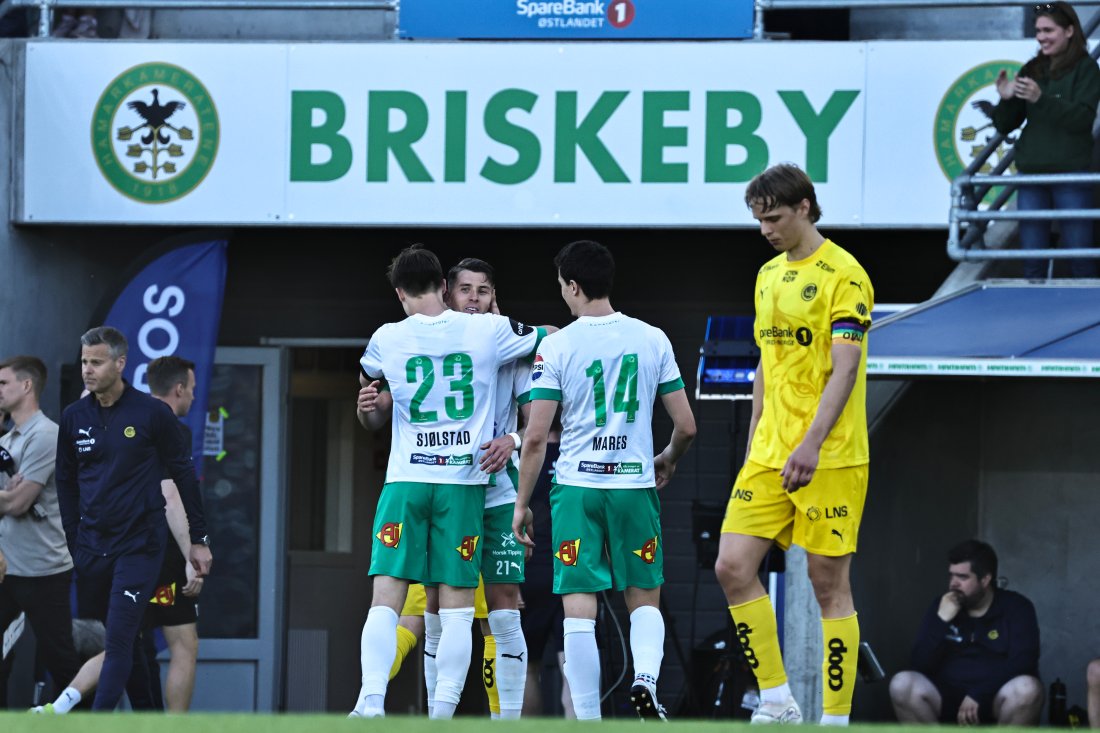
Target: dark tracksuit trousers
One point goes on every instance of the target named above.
(117, 590)
(45, 601)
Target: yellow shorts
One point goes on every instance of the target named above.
(822, 517)
(417, 600)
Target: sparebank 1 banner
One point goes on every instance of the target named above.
(486, 134)
(172, 307)
(576, 19)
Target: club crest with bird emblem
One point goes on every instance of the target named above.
(155, 133)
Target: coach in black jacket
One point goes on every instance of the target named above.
(976, 658)
(113, 447)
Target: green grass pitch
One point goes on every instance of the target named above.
(286, 723)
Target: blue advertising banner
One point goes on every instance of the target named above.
(173, 306)
(576, 19)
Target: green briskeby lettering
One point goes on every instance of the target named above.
(399, 121)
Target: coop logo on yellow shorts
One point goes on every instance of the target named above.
(964, 119)
(155, 133)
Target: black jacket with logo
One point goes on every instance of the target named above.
(109, 467)
(978, 655)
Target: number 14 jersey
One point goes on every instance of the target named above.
(606, 372)
(442, 371)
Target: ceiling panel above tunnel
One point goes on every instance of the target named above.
(995, 328)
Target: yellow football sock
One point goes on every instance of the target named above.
(838, 670)
(759, 639)
(406, 642)
(489, 674)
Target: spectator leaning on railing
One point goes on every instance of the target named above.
(1056, 93)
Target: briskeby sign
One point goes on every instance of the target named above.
(552, 143)
(658, 134)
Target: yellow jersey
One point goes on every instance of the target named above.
(802, 309)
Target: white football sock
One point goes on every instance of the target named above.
(377, 650)
(582, 667)
(453, 659)
(777, 695)
(511, 661)
(69, 698)
(834, 719)
(432, 631)
(647, 643)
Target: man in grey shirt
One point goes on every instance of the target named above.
(32, 540)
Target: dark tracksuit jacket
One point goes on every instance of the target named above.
(109, 468)
(977, 656)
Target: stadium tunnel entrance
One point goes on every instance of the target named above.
(309, 298)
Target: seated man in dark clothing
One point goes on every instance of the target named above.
(976, 658)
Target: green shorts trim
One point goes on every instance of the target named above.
(605, 538)
(429, 533)
(501, 556)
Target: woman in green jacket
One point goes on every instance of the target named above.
(1056, 93)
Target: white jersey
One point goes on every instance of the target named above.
(442, 371)
(513, 386)
(606, 372)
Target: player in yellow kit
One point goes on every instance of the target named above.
(805, 476)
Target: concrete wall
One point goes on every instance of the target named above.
(1012, 462)
(940, 24)
(923, 498)
(1038, 507)
(52, 278)
(269, 25)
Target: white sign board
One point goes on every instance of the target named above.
(510, 134)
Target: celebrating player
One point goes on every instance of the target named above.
(605, 369)
(441, 369)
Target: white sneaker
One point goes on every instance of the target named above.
(365, 714)
(777, 713)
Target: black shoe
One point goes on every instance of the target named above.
(645, 703)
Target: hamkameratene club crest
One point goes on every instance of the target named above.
(155, 133)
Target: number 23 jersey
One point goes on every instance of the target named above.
(606, 372)
(442, 372)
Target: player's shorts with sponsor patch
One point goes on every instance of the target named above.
(429, 533)
(416, 601)
(501, 555)
(585, 521)
(822, 517)
(168, 606)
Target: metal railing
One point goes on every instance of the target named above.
(759, 6)
(962, 210)
(46, 7)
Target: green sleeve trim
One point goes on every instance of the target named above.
(540, 334)
(384, 386)
(545, 394)
(672, 386)
(523, 399)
